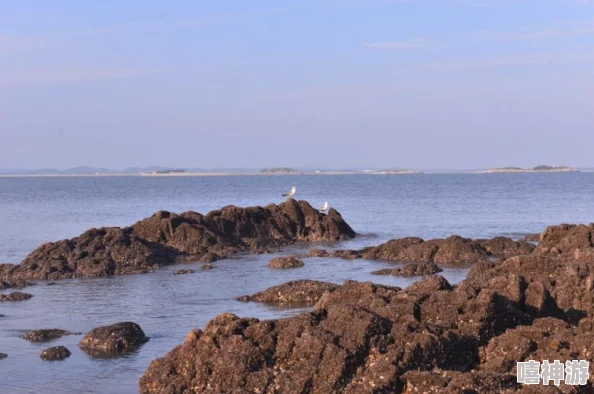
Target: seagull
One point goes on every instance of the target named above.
(324, 207)
(290, 193)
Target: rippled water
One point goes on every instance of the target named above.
(36, 210)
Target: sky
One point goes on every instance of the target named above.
(423, 84)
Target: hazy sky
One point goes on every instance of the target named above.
(440, 84)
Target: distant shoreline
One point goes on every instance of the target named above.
(215, 174)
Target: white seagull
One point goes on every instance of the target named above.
(290, 193)
(324, 207)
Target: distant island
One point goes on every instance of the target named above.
(541, 168)
(280, 171)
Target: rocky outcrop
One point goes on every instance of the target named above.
(183, 272)
(166, 237)
(431, 337)
(411, 269)
(285, 263)
(295, 292)
(56, 353)
(15, 296)
(45, 335)
(454, 250)
(113, 340)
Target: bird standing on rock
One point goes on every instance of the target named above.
(324, 207)
(290, 193)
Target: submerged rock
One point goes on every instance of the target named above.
(56, 353)
(285, 262)
(183, 272)
(207, 267)
(165, 237)
(15, 296)
(3, 355)
(114, 339)
(318, 253)
(412, 269)
(45, 335)
(295, 292)
(431, 337)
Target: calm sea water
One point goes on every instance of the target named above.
(37, 210)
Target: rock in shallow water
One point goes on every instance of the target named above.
(412, 269)
(45, 335)
(113, 340)
(56, 353)
(165, 237)
(207, 267)
(183, 272)
(14, 296)
(3, 355)
(285, 262)
(295, 292)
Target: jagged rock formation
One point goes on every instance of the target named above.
(431, 337)
(164, 237)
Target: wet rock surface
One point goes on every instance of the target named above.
(15, 296)
(454, 250)
(45, 335)
(113, 340)
(431, 337)
(56, 353)
(285, 263)
(295, 292)
(3, 356)
(411, 269)
(207, 267)
(166, 237)
(19, 284)
(183, 272)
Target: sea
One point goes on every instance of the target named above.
(35, 210)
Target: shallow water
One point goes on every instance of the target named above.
(167, 306)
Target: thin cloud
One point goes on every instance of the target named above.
(68, 75)
(20, 43)
(559, 30)
(405, 44)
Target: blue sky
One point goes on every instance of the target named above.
(449, 84)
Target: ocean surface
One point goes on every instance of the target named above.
(378, 207)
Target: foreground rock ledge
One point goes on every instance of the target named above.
(166, 237)
(113, 340)
(431, 337)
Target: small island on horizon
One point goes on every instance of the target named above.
(540, 168)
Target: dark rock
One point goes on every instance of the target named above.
(412, 269)
(56, 353)
(3, 355)
(14, 296)
(437, 382)
(453, 250)
(50, 284)
(285, 262)
(166, 237)
(45, 335)
(207, 267)
(295, 292)
(14, 285)
(114, 339)
(183, 272)
(317, 253)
